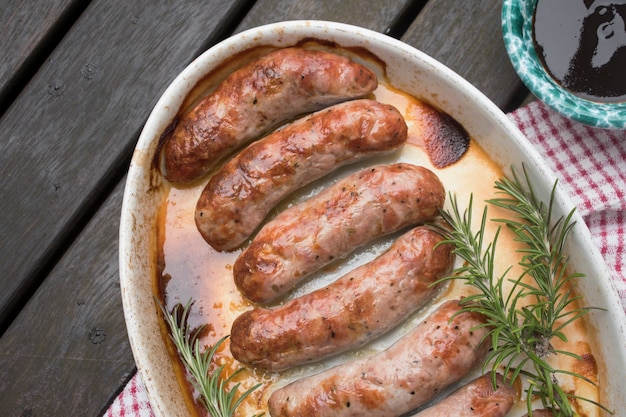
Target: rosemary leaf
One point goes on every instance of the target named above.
(539, 306)
(215, 396)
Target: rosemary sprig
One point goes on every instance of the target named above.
(523, 321)
(215, 396)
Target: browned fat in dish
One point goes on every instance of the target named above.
(541, 413)
(441, 136)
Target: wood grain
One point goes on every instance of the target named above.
(374, 15)
(467, 37)
(67, 352)
(71, 131)
(27, 31)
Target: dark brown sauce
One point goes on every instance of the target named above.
(582, 45)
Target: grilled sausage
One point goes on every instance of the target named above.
(239, 196)
(358, 307)
(300, 240)
(476, 399)
(256, 98)
(438, 352)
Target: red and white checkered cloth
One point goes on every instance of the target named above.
(132, 401)
(591, 165)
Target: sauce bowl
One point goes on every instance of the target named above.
(517, 28)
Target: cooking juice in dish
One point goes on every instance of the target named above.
(191, 269)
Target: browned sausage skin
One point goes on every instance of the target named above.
(303, 238)
(476, 399)
(256, 98)
(438, 352)
(241, 194)
(358, 307)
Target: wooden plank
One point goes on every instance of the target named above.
(72, 129)
(480, 57)
(68, 352)
(375, 15)
(530, 98)
(29, 28)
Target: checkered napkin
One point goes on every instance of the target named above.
(590, 164)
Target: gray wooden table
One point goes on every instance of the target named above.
(77, 82)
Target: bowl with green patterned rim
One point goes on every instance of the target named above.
(517, 28)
